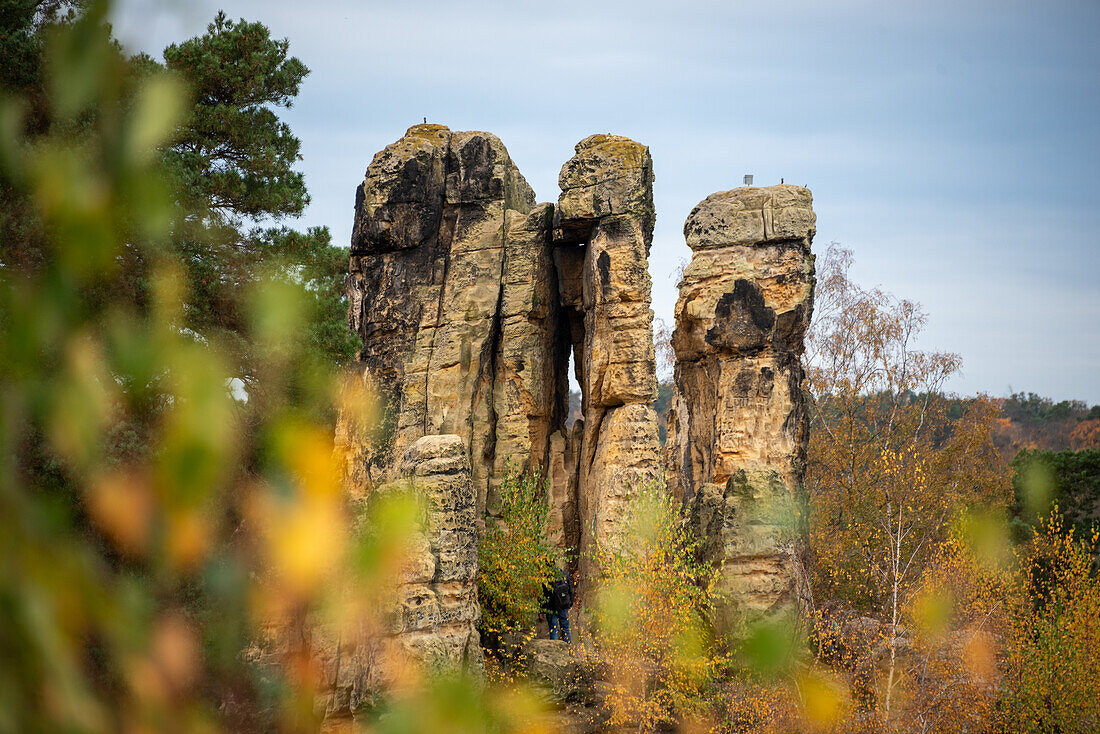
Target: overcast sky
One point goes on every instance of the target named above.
(953, 146)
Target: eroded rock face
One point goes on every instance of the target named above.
(452, 293)
(738, 433)
(430, 618)
(552, 665)
(528, 392)
(603, 228)
(437, 607)
(469, 299)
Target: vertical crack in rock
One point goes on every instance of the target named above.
(526, 384)
(738, 432)
(445, 238)
(485, 387)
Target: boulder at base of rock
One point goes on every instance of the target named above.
(552, 666)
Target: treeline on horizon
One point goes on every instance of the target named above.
(1028, 421)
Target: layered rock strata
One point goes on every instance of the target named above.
(429, 618)
(436, 604)
(738, 432)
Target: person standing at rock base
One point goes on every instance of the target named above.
(556, 602)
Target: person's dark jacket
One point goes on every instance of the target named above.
(557, 596)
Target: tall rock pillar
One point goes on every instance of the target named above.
(739, 433)
(451, 289)
(603, 228)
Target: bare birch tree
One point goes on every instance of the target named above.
(888, 467)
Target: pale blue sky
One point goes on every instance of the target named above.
(954, 146)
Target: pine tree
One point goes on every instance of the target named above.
(233, 165)
(24, 27)
(235, 157)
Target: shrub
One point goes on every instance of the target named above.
(1053, 658)
(648, 627)
(516, 558)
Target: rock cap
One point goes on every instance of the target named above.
(610, 175)
(436, 454)
(429, 131)
(751, 216)
(400, 203)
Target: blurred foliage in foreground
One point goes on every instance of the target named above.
(657, 638)
(1052, 665)
(130, 572)
(155, 524)
(648, 620)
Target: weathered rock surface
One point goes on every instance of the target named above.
(451, 291)
(738, 435)
(552, 665)
(603, 228)
(469, 299)
(527, 397)
(431, 616)
(438, 599)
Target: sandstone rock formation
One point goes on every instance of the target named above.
(437, 600)
(552, 665)
(738, 433)
(452, 294)
(469, 299)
